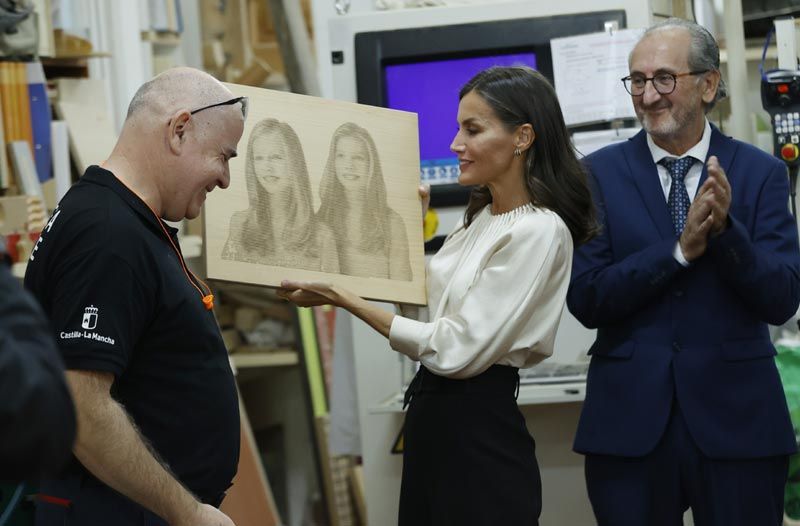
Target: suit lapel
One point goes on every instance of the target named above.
(645, 175)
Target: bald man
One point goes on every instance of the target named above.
(156, 403)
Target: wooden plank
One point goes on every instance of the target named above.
(24, 168)
(264, 359)
(62, 172)
(10, 106)
(10, 101)
(6, 101)
(82, 104)
(73, 46)
(47, 45)
(321, 433)
(295, 46)
(49, 192)
(249, 501)
(336, 478)
(6, 180)
(13, 214)
(357, 483)
(225, 36)
(266, 228)
(24, 102)
(255, 75)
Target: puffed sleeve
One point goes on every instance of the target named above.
(514, 304)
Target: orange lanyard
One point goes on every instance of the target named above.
(207, 298)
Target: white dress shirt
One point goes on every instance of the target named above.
(496, 291)
(692, 180)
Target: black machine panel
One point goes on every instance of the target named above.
(780, 96)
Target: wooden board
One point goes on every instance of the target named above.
(357, 482)
(13, 214)
(62, 174)
(249, 501)
(6, 179)
(8, 97)
(23, 103)
(44, 20)
(82, 104)
(225, 34)
(323, 191)
(335, 476)
(294, 46)
(24, 168)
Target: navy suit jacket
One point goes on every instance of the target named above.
(696, 334)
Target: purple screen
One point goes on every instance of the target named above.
(430, 89)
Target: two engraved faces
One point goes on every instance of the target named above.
(354, 231)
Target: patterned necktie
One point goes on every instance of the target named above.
(678, 200)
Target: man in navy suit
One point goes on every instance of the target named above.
(698, 253)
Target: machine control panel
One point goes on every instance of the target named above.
(780, 96)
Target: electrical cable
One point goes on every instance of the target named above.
(206, 296)
(764, 54)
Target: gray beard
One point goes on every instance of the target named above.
(669, 128)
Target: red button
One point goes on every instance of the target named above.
(790, 152)
(783, 88)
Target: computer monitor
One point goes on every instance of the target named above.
(426, 88)
(422, 70)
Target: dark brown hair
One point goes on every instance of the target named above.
(554, 177)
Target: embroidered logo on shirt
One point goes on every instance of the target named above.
(89, 322)
(90, 318)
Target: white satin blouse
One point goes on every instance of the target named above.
(496, 291)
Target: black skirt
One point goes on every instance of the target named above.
(468, 459)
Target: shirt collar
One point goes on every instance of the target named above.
(101, 176)
(699, 151)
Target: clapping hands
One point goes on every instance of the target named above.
(708, 214)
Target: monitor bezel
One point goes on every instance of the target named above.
(375, 49)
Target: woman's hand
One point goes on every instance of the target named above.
(312, 294)
(309, 294)
(425, 195)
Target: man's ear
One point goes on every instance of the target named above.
(524, 137)
(177, 129)
(710, 86)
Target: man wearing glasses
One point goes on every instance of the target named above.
(698, 253)
(156, 403)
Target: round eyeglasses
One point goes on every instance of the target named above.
(664, 83)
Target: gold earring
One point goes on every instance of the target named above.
(517, 152)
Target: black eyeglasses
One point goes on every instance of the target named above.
(243, 100)
(664, 83)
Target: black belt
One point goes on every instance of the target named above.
(494, 380)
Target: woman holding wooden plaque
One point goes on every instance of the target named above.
(496, 291)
